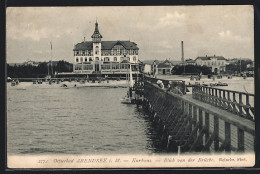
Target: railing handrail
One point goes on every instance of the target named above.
(227, 90)
(239, 122)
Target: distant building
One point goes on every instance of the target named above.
(29, 62)
(190, 62)
(216, 63)
(104, 57)
(155, 67)
(32, 63)
(15, 64)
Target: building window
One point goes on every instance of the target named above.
(96, 50)
(90, 59)
(134, 59)
(106, 59)
(97, 59)
(86, 59)
(115, 66)
(77, 59)
(115, 59)
(208, 63)
(81, 59)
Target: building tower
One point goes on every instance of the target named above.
(96, 38)
(182, 52)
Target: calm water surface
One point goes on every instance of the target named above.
(83, 120)
(86, 120)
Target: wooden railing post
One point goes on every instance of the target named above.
(220, 97)
(240, 140)
(216, 99)
(240, 102)
(207, 127)
(210, 97)
(227, 137)
(194, 118)
(247, 108)
(224, 98)
(216, 132)
(228, 98)
(234, 101)
(200, 126)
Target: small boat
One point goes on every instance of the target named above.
(221, 84)
(64, 86)
(127, 100)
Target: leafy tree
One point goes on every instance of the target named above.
(190, 69)
(238, 66)
(29, 71)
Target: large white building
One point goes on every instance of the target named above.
(216, 63)
(104, 57)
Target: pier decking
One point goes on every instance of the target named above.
(191, 125)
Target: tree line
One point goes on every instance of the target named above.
(190, 69)
(40, 71)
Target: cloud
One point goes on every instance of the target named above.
(228, 35)
(175, 19)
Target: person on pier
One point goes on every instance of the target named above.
(174, 88)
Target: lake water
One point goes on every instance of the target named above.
(48, 119)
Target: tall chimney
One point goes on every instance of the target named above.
(182, 52)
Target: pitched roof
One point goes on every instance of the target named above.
(210, 57)
(106, 45)
(163, 65)
(150, 62)
(190, 61)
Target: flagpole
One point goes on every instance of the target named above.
(51, 60)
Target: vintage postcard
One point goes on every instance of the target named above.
(130, 87)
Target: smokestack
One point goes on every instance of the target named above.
(182, 52)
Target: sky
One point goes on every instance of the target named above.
(158, 31)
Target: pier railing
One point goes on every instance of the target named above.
(239, 103)
(194, 126)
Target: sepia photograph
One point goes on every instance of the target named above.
(130, 86)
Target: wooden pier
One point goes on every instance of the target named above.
(206, 121)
